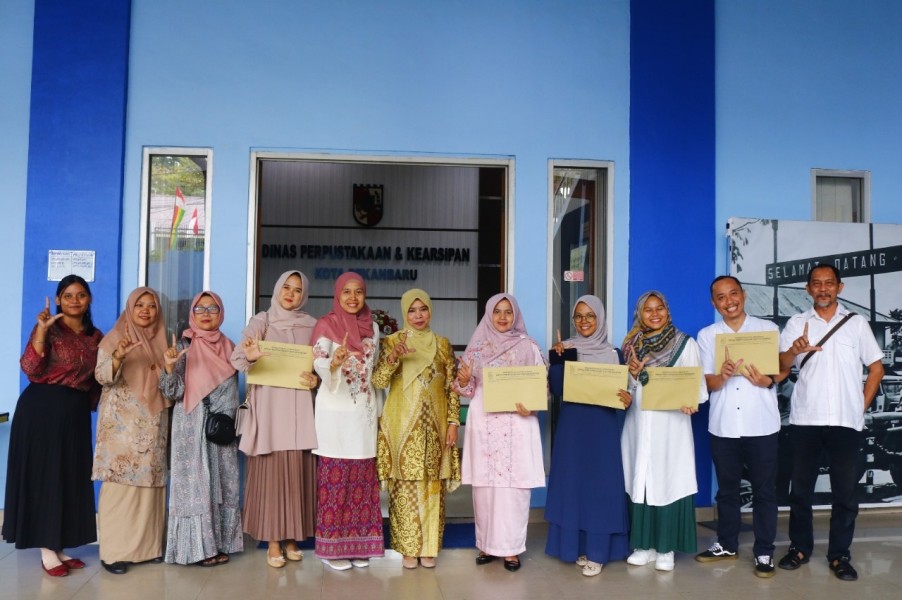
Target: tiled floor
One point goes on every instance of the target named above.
(877, 554)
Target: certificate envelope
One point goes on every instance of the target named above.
(282, 365)
(504, 387)
(594, 383)
(671, 388)
(759, 348)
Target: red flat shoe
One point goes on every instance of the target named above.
(74, 563)
(57, 571)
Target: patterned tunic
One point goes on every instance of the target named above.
(131, 442)
(204, 512)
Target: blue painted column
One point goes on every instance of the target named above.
(76, 147)
(672, 204)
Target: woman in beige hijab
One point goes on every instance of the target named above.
(132, 430)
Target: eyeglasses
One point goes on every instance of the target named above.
(589, 318)
(212, 309)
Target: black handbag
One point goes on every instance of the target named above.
(219, 428)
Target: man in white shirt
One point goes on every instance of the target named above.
(827, 415)
(744, 423)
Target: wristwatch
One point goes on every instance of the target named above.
(773, 382)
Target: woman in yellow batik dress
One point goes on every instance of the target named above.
(417, 453)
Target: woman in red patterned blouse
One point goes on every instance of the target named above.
(49, 495)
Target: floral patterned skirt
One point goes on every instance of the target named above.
(417, 515)
(348, 516)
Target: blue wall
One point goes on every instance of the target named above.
(527, 80)
(802, 85)
(16, 23)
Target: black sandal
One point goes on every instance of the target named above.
(793, 560)
(484, 559)
(512, 565)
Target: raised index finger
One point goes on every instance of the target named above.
(805, 330)
(47, 303)
(559, 340)
(173, 339)
(344, 342)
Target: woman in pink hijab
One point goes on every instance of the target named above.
(348, 517)
(204, 513)
(502, 451)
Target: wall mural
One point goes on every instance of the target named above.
(772, 259)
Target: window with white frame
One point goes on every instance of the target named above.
(174, 228)
(842, 196)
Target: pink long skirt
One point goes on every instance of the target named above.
(501, 516)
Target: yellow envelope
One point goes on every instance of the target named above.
(761, 348)
(594, 383)
(282, 365)
(504, 387)
(671, 388)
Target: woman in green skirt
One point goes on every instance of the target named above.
(658, 452)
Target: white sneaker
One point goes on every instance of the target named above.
(664, 562)
(360, 563)
(641, 557)
(592, 568)
(582, 561)
(340, 564)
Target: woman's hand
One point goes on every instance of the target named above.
(252, 349)
(45, 319)
(523, 411)
(309, 380)
(689, 410)
(625, 397)
(340, 355)
(172, 356)
(464, 372)
(636, 366)
(122, 349)
(451, 436)
(400, 349)
(559, 347)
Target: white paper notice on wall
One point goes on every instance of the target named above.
(574, 275)
(61, 263)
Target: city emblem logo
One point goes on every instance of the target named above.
(368, 204)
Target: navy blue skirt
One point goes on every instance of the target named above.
(586, 509)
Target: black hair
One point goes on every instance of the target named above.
(66, 282)
(826, 266)
(721, 278)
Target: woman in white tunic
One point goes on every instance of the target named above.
(657, 446)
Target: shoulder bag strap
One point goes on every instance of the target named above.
(825, 338)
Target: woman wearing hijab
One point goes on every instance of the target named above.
(132, 427)
(503, 451)
(49, 496)
(348, 517)
(586, 508)
(658, 452)
(204, 517)
(418, 455)
(277, 431)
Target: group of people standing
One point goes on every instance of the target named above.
(618, 488)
